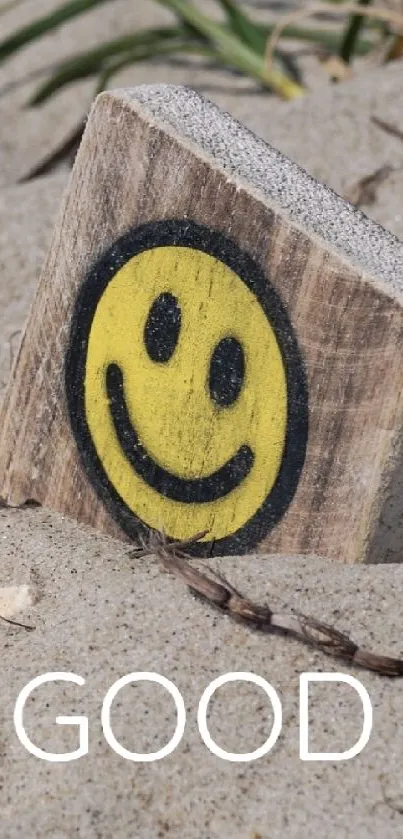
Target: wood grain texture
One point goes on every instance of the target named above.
(133, 170)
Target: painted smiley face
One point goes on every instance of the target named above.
(185, 387)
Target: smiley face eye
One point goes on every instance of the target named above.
(227, 371)
(162, 328)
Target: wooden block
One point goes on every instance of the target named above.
(215, 344)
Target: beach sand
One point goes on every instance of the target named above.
(100, 614)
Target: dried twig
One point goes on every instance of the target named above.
(13, 599)
(390, 129)
(65, 152)
(317, 7)
(214, 588)
(16, 623)
(364, 192)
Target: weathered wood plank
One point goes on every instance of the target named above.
(215, 344)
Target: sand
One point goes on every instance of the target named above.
(101, 615)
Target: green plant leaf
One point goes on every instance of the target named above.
(233, 51)
(45, 24)
(250, 34)
(100, 60)
(256, 34)
(85, 64)
(347, 46)
(131, 58)
(241, 25)
(323, 37)
(240, 43)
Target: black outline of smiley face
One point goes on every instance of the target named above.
(184, 233)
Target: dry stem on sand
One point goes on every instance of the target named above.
(214, 588)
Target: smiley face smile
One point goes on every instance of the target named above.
(185, 387)
(191, 490)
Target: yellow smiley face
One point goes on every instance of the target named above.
(185, 388)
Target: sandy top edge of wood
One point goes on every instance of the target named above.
(278, 180)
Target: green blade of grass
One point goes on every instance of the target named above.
(330, 40)
(256, 34)
(233, 51)
(250, 34)
(241, 25)
(81, 69)
(133, 57)
(45, 24)
(347, 47)
(144, 37)
(86, 65)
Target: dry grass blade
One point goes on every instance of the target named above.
(345, 8)
(250, 33)
(66, 151)
(216, 590)
(364, 192)
(395, 50)
(327, 39)
(17, 623)
(389, 129)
